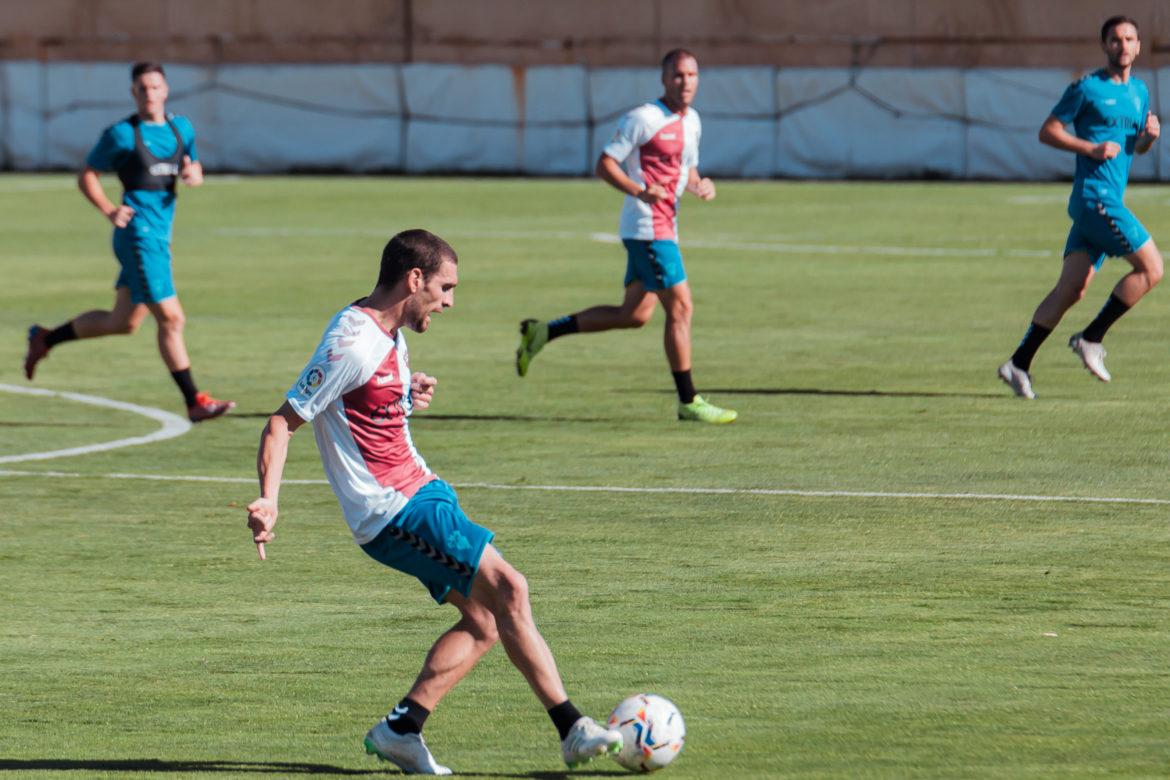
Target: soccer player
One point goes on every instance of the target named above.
(1110, 111)
(653, 159)
(149, 151)
(358, 391)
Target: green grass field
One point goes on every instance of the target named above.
(855, 327)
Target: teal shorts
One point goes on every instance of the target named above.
(656, 264)
(432, 539)
(1102, 231)
(146, 266)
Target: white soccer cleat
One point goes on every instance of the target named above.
(1017, 379)
(406, 751)
(1092, 354)
(586, 741)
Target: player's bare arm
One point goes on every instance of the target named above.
(610, 171)
(1054, 134)
(270, 461)
(89, 182)
(1150, 134)
(422, 389)
(700, 185)
(192, 172)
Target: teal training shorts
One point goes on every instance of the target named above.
(656, 264)
(432, 539)
(1102, 231)
(146, 266)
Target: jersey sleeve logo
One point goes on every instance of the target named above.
(312, 379)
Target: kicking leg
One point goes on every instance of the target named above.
(504, 591)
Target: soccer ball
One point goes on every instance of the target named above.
(652, 732)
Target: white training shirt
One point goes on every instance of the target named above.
(356, 392)
(655, 146)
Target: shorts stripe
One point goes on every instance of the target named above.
(1116, 230)
(427, 549)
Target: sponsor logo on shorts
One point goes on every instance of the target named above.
(310, 381)
(457, 541)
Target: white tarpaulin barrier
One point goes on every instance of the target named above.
(553, 120)
(556, 129)
(304, 117)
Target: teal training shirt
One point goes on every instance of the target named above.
(1101, 109)
(154, 210)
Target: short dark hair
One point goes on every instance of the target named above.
(417, 248)
(674, 55)
(146, 67)
(1112, 22)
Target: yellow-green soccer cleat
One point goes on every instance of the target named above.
(533, 337)
(699, 410)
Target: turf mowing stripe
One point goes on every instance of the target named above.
(171, 425)
(619, 489)
(610, 238)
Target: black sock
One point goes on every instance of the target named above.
(186, 385)
(60, 335)
(564, 715)
(1109, 314)
(1022, 358)
(684, 385)
(562, 326)
(408, 717)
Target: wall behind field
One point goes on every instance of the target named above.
(553, 120)
(840, 88)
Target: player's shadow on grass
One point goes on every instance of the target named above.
(278, 768)
(713, 391)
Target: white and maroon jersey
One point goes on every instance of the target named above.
(356, 392)
(655, 146)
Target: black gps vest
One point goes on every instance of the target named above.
(142, 170)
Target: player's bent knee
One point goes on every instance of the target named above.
(513, 593)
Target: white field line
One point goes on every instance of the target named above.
(642, 490)
(773, 247)
(171, 425)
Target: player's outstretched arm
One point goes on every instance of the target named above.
(1152, 130)
(1052, 133)
(270, 461)
(697, 185)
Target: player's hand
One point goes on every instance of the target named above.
(261, 519)
(1106, 150)
(653, 193)
(121, 216)
(704, 188)
(1153, 126)
(191, 173)
(422, 389)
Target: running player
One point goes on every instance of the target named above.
(653, 158)
(358, 392)
(1110, 111)
(149, 151)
